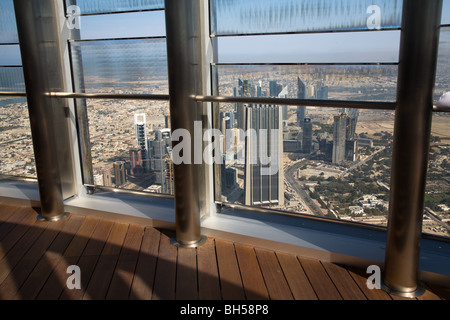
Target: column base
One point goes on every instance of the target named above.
(195, 244)
(419, 291)
(40, 217)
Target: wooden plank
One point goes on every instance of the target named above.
(443, 292)
(252, 278)
(229, 274)
(344, 282)
(6, 212)
(123, 275)
(21, 271)
(56, 283)
(274, 278)
(186, 283)
(429, 295)
(10, 239)
(208, 274)
(104, 270)
(37, 278)
(320, 281)
(142, 287)
(295, 275)
(15, 218)
(166, 267)
(361, 280)
(89, 258)
(16, 253)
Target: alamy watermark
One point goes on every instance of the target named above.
(235, 147)
(374, 280)
(74, 280)
(73, 17)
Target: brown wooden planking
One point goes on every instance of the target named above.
(320, 281)
(361, 279)
(229, 274)
(123, 275)
(89, 258)
(56, 283)
(298, 281)
(16, 218)
(8, 211)
(443, 292)
(186, 283)
(429, 295)
(344, 282)
(142, 287)
(208, 274)
(18, 251)
(104, 270)
(166, 267)
(274, 278)
(16, 234)
(37, 278)
(252, 278)
(21, 271)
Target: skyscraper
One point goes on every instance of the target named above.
(307, 136)
(140, 128)
(339, 138)
(136, 162)
(119, 173)
(264, 181)
(301, 111)
(160, 148)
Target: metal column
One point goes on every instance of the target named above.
(39, 29)
(185, 30)
(418, 56)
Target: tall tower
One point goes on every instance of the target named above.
(339, 138)
(119, 172)
(140, 128)
(301, 111)
(136, 161)
(264, 182)
(307, 136)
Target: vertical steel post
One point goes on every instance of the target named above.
(39, 29)
(186, 62)
(417, 69)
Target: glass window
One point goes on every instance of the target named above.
(112, 6)
(310, 81)
(357, 47)
(8, 27)
(121, 66)
(443, 67)
(437, 196)
(446, 12)
(233, 17)
(124, 25)
(16, 152)
(131, 144)
(332, 162)
(10, 55)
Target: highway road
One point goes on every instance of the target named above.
(306, 199)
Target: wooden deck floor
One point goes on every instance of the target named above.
(123, 261)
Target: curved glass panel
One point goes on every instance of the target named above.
(111, 6)
(121, 66)
(233, 17)
(11, 79)
(322, 82)
(8, 26)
